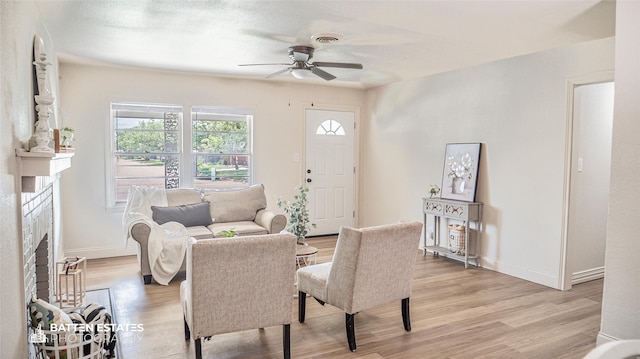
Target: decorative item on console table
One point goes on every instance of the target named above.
(456, 211)
(298, 223)
(460, 174)
(433, 190)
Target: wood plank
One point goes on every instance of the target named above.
(456, 313)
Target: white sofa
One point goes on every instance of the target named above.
(243, 210)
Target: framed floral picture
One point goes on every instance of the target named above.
(460, 174)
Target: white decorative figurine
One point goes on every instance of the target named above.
(42, 136)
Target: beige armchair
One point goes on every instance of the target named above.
(371, 267)
(236, 284)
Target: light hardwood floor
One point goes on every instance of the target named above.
(455, 313)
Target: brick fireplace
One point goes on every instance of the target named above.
(40, 178)
(38, 241)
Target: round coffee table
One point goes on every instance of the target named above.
(305, 255)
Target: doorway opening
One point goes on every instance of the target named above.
(589, 165)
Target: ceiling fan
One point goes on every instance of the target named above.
(302, 68)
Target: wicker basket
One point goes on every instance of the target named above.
(68, 345)
(457, 237)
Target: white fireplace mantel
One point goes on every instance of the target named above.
(33, 164)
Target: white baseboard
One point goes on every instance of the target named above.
(587, 275)
(104, 252)
(545, 279)
(605, 338)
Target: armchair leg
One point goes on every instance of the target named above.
(302, 303)
(187, 332)
(286, 340)
(406, 319)
(351, 332)
(147, 279)
(199, 348)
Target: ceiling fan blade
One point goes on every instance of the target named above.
(344, 65)
(325, 75)
(279, 64)
(277, 73)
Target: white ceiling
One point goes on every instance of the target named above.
(394, 40)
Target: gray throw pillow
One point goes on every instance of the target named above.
(188, 214)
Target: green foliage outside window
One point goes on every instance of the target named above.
(146, 137)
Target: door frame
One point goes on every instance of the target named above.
(356, 148)
(565, 277)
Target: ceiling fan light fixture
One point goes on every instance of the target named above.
(301, 73)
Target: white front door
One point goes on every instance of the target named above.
(330, 169)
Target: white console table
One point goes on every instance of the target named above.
(457, 210)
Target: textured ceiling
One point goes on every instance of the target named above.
(394, 40)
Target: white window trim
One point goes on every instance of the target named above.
(185, 151)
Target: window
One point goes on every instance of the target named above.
(146, 147)
(330, 127)
(221, 146)
(148, 142)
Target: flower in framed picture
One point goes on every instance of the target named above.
(460, 174)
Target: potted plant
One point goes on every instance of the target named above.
(433, 190)
(298, 223)
(66, 136)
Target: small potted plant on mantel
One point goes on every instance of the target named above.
(66, 136)
(298, 223)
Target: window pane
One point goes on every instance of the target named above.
(144, 123)
(221, 171)
(146, 166)
(220, 136)
(146, 146)
(330, 127)
(122, 186)
(139, 141)
(221, 147)
(139, 166)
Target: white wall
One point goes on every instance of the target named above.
(19, 23)
(517, 109)
(620, 304)
(89, 228)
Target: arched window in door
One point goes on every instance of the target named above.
(330, 127)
